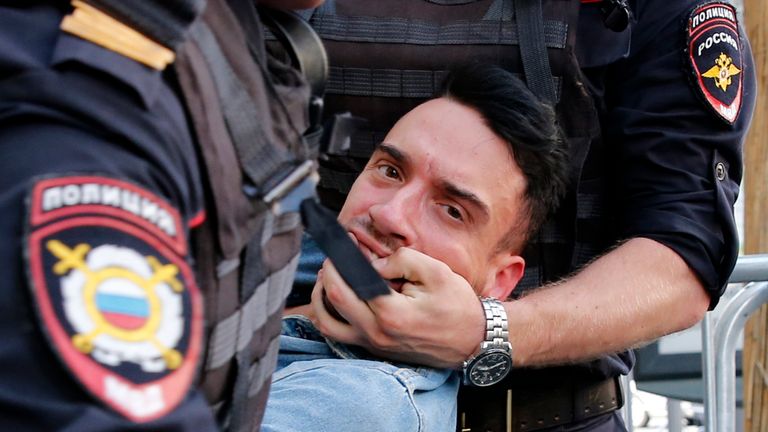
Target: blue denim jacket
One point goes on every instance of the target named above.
(323, 386)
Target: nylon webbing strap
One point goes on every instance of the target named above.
(252, 376)
(232, 334)
(416, 32)
(533, 50)
(500, 10)
(393, 83)
(334, 241)
(238, 421)
(385, 82)
(262, 162)
(262, 370)
(338, 180)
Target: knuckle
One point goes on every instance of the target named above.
(441, 269)
(328, 289)
(334, 294)
(401, 253)
(381, 341)
(391, 322)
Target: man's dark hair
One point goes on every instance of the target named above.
(529, 126)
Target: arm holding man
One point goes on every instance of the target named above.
(568, 315)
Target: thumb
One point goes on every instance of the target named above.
(388, 267)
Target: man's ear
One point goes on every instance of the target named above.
(509, 271)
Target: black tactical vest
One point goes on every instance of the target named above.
(249, 113)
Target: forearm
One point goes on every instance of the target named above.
(638, 292)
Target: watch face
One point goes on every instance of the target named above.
(490, 368)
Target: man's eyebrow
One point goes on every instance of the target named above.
(448, 188)
(393, 152)
(456, 192)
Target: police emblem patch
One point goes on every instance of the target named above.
(715, 57)
(114, 293)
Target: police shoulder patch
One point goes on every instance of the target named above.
(114, 293)
(714, 55)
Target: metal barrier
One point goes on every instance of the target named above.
(719, 339)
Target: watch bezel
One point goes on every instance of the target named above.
(482, 357)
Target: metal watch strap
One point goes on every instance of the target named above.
(496, 326)
(483, 369)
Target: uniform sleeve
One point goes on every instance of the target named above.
(100, 315)
(44, 311)
(677, 164)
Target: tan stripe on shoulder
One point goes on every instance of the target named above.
(95, 26)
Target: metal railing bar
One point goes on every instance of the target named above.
(729, 325)
(750, 268)
(708, 371)
(719, 337)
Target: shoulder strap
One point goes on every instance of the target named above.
(538, 74)
(267, 156)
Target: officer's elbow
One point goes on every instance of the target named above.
(694, 307)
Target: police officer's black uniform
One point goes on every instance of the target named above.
(73, 109)
(113, 224)
(655, 114)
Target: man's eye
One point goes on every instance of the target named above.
(388, 171)
(454, 212)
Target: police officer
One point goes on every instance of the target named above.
(655, 97)
(143, 147)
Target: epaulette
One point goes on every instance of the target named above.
(91, 24)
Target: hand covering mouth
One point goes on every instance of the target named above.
(362, 241)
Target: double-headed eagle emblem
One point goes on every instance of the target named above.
(722, 71)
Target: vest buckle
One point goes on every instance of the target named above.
(297, 186)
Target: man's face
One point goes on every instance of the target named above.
(444, 184)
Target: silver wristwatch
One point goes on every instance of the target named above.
(494, 361)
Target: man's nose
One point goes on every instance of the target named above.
(397, 216)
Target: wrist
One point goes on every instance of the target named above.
(478, 331)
